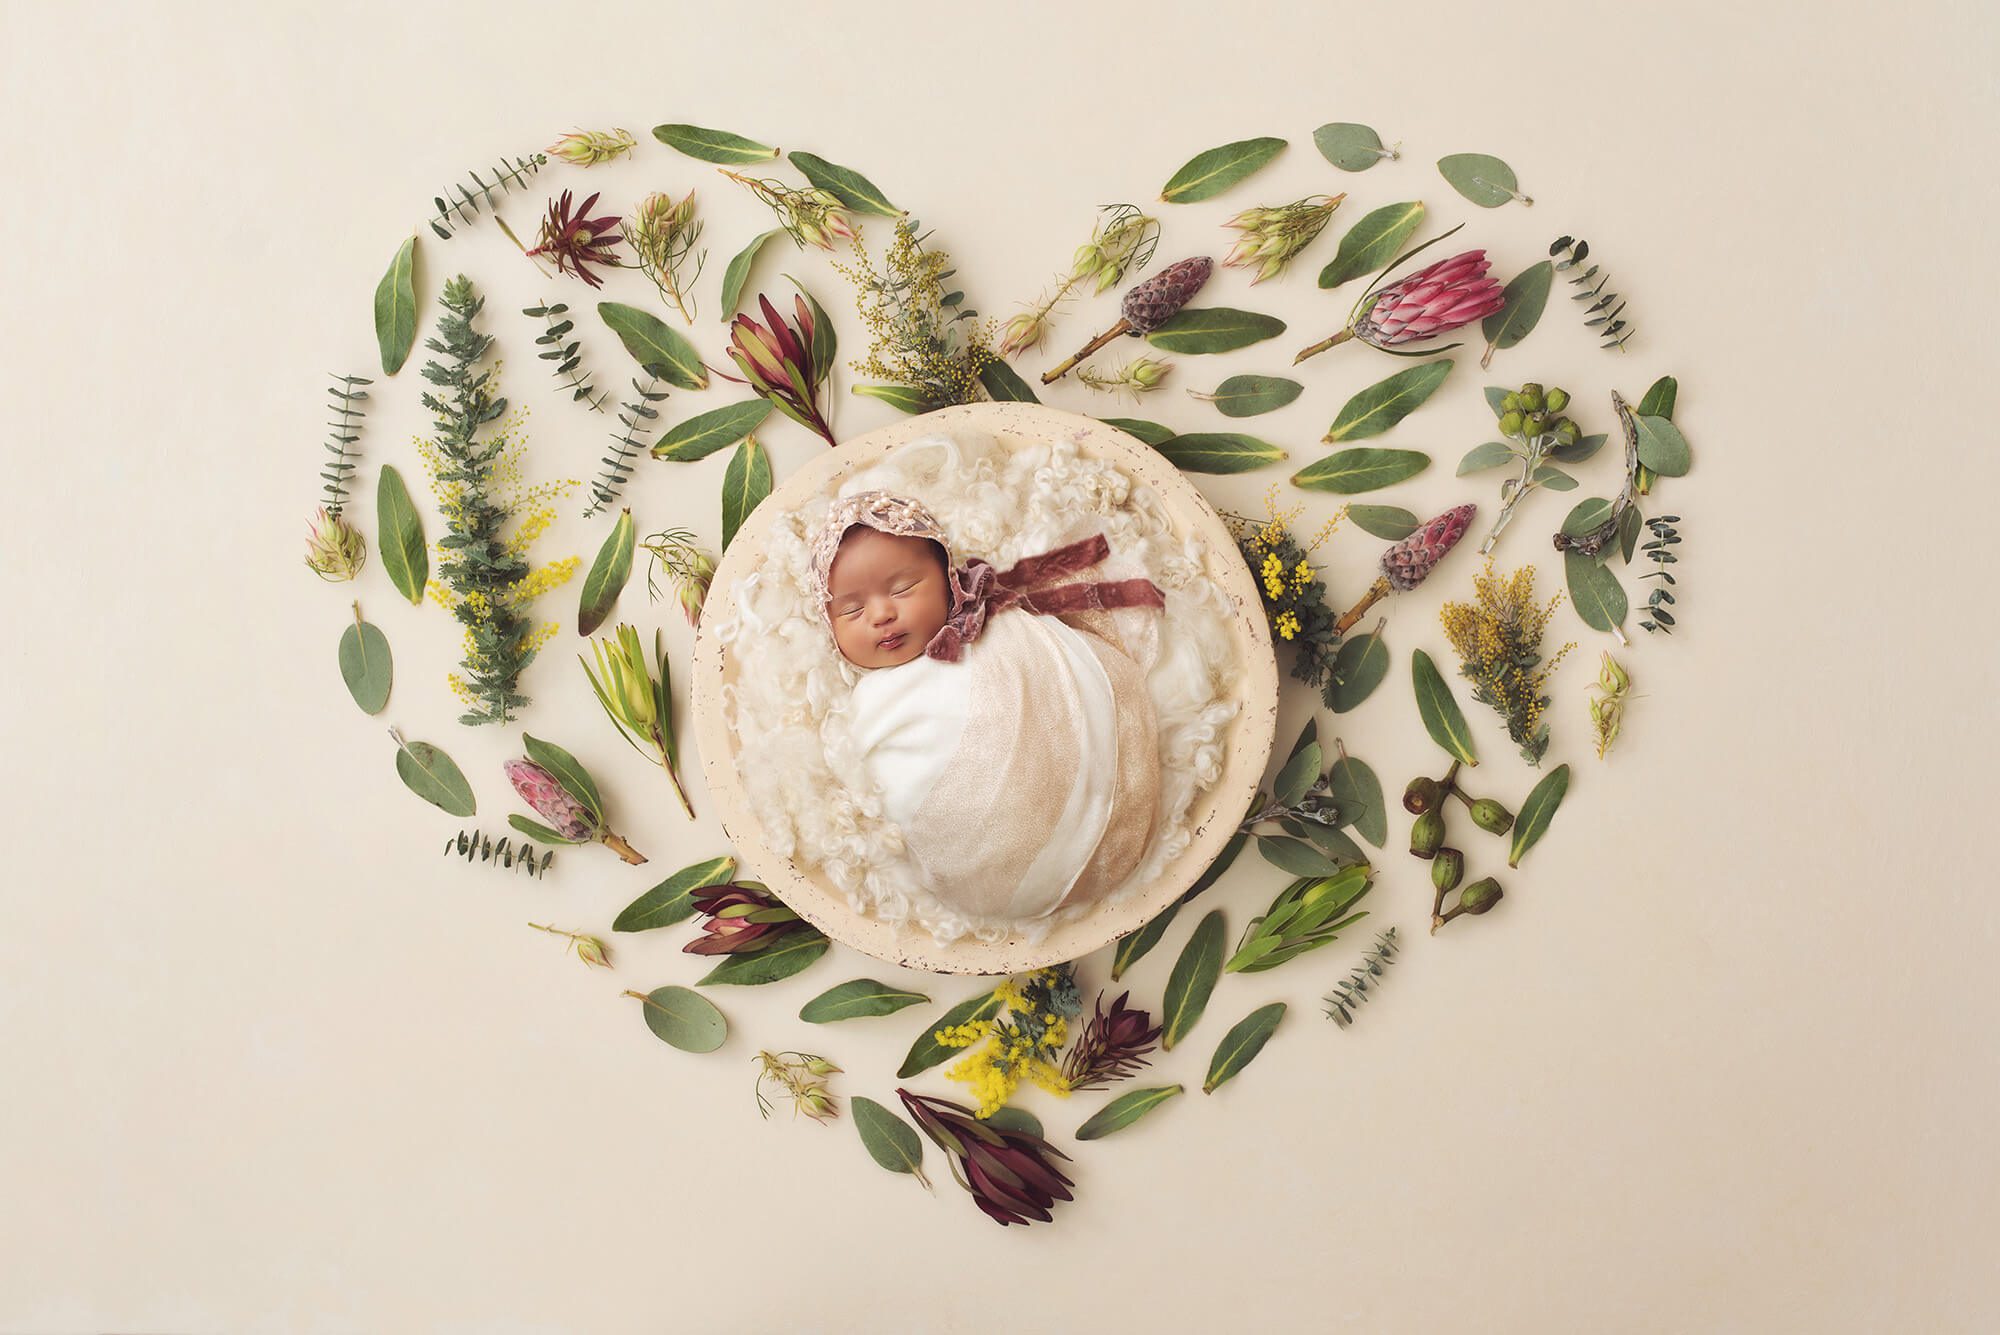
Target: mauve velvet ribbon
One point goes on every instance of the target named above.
(979, 591)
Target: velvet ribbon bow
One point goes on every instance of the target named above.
(978, 591)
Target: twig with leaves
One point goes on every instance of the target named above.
(465, 209)
(472, 845)
(625, 446)
(1611, 329)
(1347, 996)
(566, 356)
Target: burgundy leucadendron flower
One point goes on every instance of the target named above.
(741, 916)
(786, 365)
(1008, 1171)
(1113, 1045)
(576, 241)
(1434, 300)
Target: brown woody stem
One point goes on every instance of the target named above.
(616, 843)
(1321, 346)
(1376, 592)
(1122, 327)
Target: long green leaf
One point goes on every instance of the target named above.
(1486, 181)
(1358, 669)
(685, 1019)
(1443, 719)
(745, 484)
(1240, 1046)
(1124, 1110)
(1359, 793)
(903, 398)
(608, 574)
(718, 146)
(1150, 432)
(1207, 329)
(1192, 980)
(850, 187)
(1295, 856)
(1009, 1118)
(1525, 296)
(927, 1052)
(568, 771)
(738, 273)
(400, 535)
(1213, 171)
(1134, 946)
(396, 308)
(655, 345)
(435, 777)
(859, 999)
(365, 664)
(1372, 242)
(1003, 384)
(1537, 812)
(1218, 452)
(1387, 402)
(1391, 523)
(1596, 592)
(1300, 772)
(889, 1140)
(672, 900)
(1250, 395)
(1362, 468)
(1662, 447)
(770, 964)
(716, 429)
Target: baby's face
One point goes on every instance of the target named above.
(887, 596)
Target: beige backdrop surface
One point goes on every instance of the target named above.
(1723, 1060)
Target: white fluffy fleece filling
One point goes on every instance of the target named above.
(788, 702)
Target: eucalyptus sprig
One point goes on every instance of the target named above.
(473, 845)
(1665, 536)
(626, 445)
(465, 208)
(1358, 987)
(1538, 436)
(566, 356)
(335, 549)
(1610, 329)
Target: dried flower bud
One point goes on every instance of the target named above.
(1022, 332)
(593, 952)
(335, 549)
(821, 1066)
(587, 148)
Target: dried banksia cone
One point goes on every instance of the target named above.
(569, 819)
(1008, 1171)
(1146, 307)
(1408, 563)
(1113, 1045)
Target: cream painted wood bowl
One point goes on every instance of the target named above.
(1216, 811)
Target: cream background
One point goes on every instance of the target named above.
(1722, 1061)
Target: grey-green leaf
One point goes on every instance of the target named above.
(1296, 856)
(435, 777)
(1301, 771)
(1209, 173)
(768, 965)
(1359, 793)
(608, 574)
(1391, 523)
(1586, 515)
(1363, 468)
(656, 346)
(1479, 458)
(856, 1000)
(1205, 329)
(1218, 452)
(903, 398)
(1526, 296)
(1124, 1110)
(889, 1140)
(1486, 181)
(850, 187)
(1537, 812)
(1009, 1118)
(718, 146)
(396, 308)
(1443, 719)
(1659, 398)
(685, 1019)
(1350, 147)
(1004, 384)
(1662, 447)
(1387, 402)
(1134, 946)
(738, 273)
(672, 900)
(1151, 432)
(400, 535)
(1249, 395)
(364, 664)
(705, 433)
(745, 484)
(1599, 597)
(1192, 980)
(1358, 669)
(568, 771)
(927, 1052)
(1371, 243)
(1240, 1046)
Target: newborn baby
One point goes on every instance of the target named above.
(1011, 735)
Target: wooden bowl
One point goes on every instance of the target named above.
(1216, 811)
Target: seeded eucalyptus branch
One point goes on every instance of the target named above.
(475, 846)
(566, 356)
(1612, 330)
(625, 446)
(465, 209)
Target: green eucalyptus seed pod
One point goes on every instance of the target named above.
(1538, 424)
(1427, 834)
(1511, 403)
(1491, 817)
(1447, 870)
(1531, 397)
(1567, 432)
(1558, 399)
(1422, 795)
(1480, 896)
(1510, 424)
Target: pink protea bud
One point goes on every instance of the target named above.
(1407, 563)
(1434, 300)
(540, 790)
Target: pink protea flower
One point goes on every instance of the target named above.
(567, 817)
(1434, 300)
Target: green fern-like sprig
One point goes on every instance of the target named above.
(625, 446)
(343, 433)
(464, 209)
(1359, 985)
(566, 356)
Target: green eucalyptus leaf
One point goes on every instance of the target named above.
(705, 433)
(770, 964)
(738, 273)
(1295, 856)
(1333, 842)
(1496, 395)
(1578, 450)
(1596, 592)
(365, 665)
(903, 398)
(1586, 515)
(1124, 1110)
(1486, 181)
(1630, 525)
(1392, 523)
(1350, 147)
(1658, 400)
(927, 1052)
(1359, 793)
(1443, 719)
(1009, 1118)
(1192, 979)
(745, 484)
(655, 345)
(1301, 771)
(1150, 432)
(1387, 402)
(1553, 478)
(859, 999)
(534, 829)
(400, 536)
(1358, 669)
(608, 574)
(685, 1019)
(1206, 329)
(1662, 447)
(889, 1140)
(1363, 468)
(1218, 452)
(718, 146)
(1492, 454)
(1135, 945)
(396, 308)
(568, 771)
(1240, 1046)
(850, 187)
(435, 777)
(1249, 395)
(1526, 297)
(1537, 812)
(1003, 384)
(1209, 173)
(672, 900)
(1372, 242)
